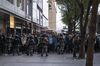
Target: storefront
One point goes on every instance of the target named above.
(22, 26)
(10, 24)
(13, 24)
(1, 25)
(4, 19)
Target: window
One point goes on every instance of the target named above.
(18, 3)
(38, 16)
(11, 1)
(50, 7)
(21, 4)
(41, 19)
(40, 3)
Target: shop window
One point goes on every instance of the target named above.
(11, 1)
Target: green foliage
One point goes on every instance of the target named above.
(69, 10)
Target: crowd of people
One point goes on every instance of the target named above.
(43, 43)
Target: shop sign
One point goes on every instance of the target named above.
(18, 27)
(12, 21)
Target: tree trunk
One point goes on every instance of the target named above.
(82, 45)
(70, 27)
(81, 51)
(82, 31)
(74, 25)
(83, 27)
(87, 14)
(92, 33)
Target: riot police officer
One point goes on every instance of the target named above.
(44, 45)
(30, 47)
(16, 45)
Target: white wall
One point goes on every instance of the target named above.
(35, 11)
(45, 8)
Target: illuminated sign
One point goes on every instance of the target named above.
(12, 21)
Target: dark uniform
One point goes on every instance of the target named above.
(8, 44)
(2, 43)
(75, 45)
(16, 45)
(61, 45)
(30, 46)
(44, 45)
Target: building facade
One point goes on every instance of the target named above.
(39, 17)
(15, 16)
(45, 14)
(52, 15)
(45, 21)
(21, 16)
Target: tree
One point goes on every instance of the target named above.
(84, 6)
(69, 13)
(92, 33)
(83, 9)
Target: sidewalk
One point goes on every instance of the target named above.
(51, 60)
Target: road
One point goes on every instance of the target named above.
(51, 60)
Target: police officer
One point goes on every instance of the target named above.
(75, 43)
(31, 44)
(3, 41)
(61, 45)
(16, 45)
(8, 44)
(44, 44)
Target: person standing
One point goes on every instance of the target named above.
(75, 43)
(61, 44)
(16, 45)
(55, 42)
(31, 44)
(44, 44)
(50, 42)
(66, 40)
(3, 41)
(8, 44)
